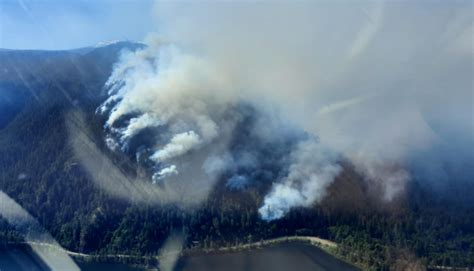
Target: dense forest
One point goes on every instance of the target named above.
(425, 227)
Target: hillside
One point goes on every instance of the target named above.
(42, 92)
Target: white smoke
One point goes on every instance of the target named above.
(138, 124)
(165, 172)
(179, 145)
(188, 188)
(179, 93)
(311, 171)
(398, 87)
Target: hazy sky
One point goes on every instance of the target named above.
(56, 24)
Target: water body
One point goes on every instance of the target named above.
(292, 256)
(283, 257)
(20, 260)
(108, 266)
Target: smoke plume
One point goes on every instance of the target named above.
(383, 86)
(312, 169)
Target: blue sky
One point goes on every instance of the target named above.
(55, 24)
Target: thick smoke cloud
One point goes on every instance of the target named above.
(383, 85)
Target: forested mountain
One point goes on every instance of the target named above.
(41, 91)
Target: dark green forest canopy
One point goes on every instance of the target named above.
(38, 169)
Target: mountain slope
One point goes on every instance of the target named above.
(42, 91)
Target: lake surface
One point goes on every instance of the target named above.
(292, 256)
(283, 257)
(19, 260)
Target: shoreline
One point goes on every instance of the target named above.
(327, 245)
(146, 262)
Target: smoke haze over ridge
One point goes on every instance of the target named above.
(387, 86)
